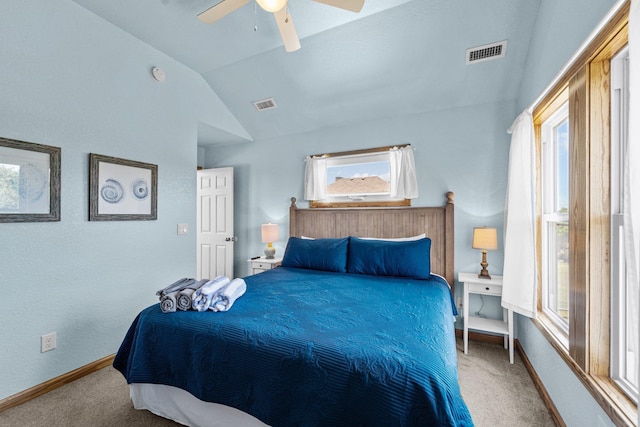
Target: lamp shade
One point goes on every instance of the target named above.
(485, 238)
(269, 233)
(272, 5)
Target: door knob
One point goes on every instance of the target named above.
(231, 239)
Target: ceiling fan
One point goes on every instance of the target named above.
(280, 12)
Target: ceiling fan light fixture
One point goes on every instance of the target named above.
(272, 5)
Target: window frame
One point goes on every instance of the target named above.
(552, 216)
(585, 82)
(619, 278)
(375, 200)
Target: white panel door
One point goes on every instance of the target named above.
(215, 236)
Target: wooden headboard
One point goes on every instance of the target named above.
(436, 222)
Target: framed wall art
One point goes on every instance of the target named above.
(29, 182)
(122, 190)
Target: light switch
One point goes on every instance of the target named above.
(183, 228)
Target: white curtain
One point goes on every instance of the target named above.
(520, 272)
(404, 184)
(402, 171)
(632, 166)
(315, 178)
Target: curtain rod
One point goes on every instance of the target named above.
(601, 25)
(363, 151)
(612, 12)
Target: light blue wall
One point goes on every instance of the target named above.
(71, 80)
(201, 156)
(575, 404)
(561, 27)
(464, 150)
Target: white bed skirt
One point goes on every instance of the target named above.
(184, 408)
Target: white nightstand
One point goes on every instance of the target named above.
(493, 287)
(261, 264)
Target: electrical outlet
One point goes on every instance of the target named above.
(47, 342)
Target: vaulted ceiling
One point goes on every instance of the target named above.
(394, 58)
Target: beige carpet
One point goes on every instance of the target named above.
(497, 394)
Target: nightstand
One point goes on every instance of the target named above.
(261, 264)
(491, 287)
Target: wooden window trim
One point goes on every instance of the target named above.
(351, 204)
(579, 218)
(586, 85)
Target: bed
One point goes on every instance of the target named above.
(348, 332)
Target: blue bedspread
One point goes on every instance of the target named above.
(311, 348)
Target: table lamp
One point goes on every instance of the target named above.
(269, 235)
(485, 239)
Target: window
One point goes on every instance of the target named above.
(587, 307)
(624, 337)
(358, 177)
(555, 219)
(384, 176)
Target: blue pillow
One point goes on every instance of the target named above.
(385, 258)
(317, 254)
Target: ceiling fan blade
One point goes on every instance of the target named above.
(221, 9)
(287, 30)
(352, 5)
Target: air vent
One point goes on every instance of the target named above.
(486, 52)
(265, 104)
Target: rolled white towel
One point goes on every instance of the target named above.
(225, 297)
(201, 298)
(168, 302)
